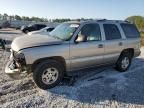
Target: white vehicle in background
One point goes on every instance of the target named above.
(43, 31)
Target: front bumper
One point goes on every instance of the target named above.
(8, 70)
(15, 69)
(15, 72)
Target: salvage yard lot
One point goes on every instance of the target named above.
(101, 87)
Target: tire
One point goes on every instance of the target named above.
(44, 74)
(26, 31)
(120, 63)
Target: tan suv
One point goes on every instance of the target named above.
(73, 46)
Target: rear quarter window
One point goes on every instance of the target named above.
(111, 32)
(130, 30)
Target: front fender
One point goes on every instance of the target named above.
(36, 53)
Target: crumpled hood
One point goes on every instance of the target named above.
(33, 41)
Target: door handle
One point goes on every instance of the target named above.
(100, 46)
(120, 43)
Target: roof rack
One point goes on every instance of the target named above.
(117, 21)
(127, 21)
(101, 19)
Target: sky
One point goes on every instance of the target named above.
(107, 9)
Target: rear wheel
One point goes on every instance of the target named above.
(48, 74)
(124, 62)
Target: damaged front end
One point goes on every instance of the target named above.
(16, 67)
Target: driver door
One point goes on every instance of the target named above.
(88, 48)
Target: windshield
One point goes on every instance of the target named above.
(64, 31)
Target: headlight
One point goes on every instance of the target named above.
(17, 55)
(20, 56)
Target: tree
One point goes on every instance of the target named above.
(12, 17)
(17, 17)
(61, 20)
(1, 16)
(24, 18)
(5, 16)
(138, 21)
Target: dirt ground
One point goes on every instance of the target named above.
(102, 87)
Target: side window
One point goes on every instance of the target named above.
(90, 32)
(111, 32)
(40, 26)
(43, 26)
(35, 26)
(49, 29)
(130, 30)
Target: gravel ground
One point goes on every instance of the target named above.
(95, 88)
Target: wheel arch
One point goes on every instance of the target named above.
(57, 58)
(129, 51)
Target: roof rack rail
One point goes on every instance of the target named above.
(101, 19)
(127, 21)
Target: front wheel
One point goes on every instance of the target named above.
(48, 74)
(123, 62)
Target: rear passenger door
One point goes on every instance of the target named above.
(113, 43)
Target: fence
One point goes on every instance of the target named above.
(16, 23)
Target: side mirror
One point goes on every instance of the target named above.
(80, 38)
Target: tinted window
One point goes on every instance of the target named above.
(49, 29)
(130, 30)
(111, 32)
(91, 32)
(41, 25)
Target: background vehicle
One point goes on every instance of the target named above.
(32, 27)
(2, 44)
(44, 31)
(73, 46)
